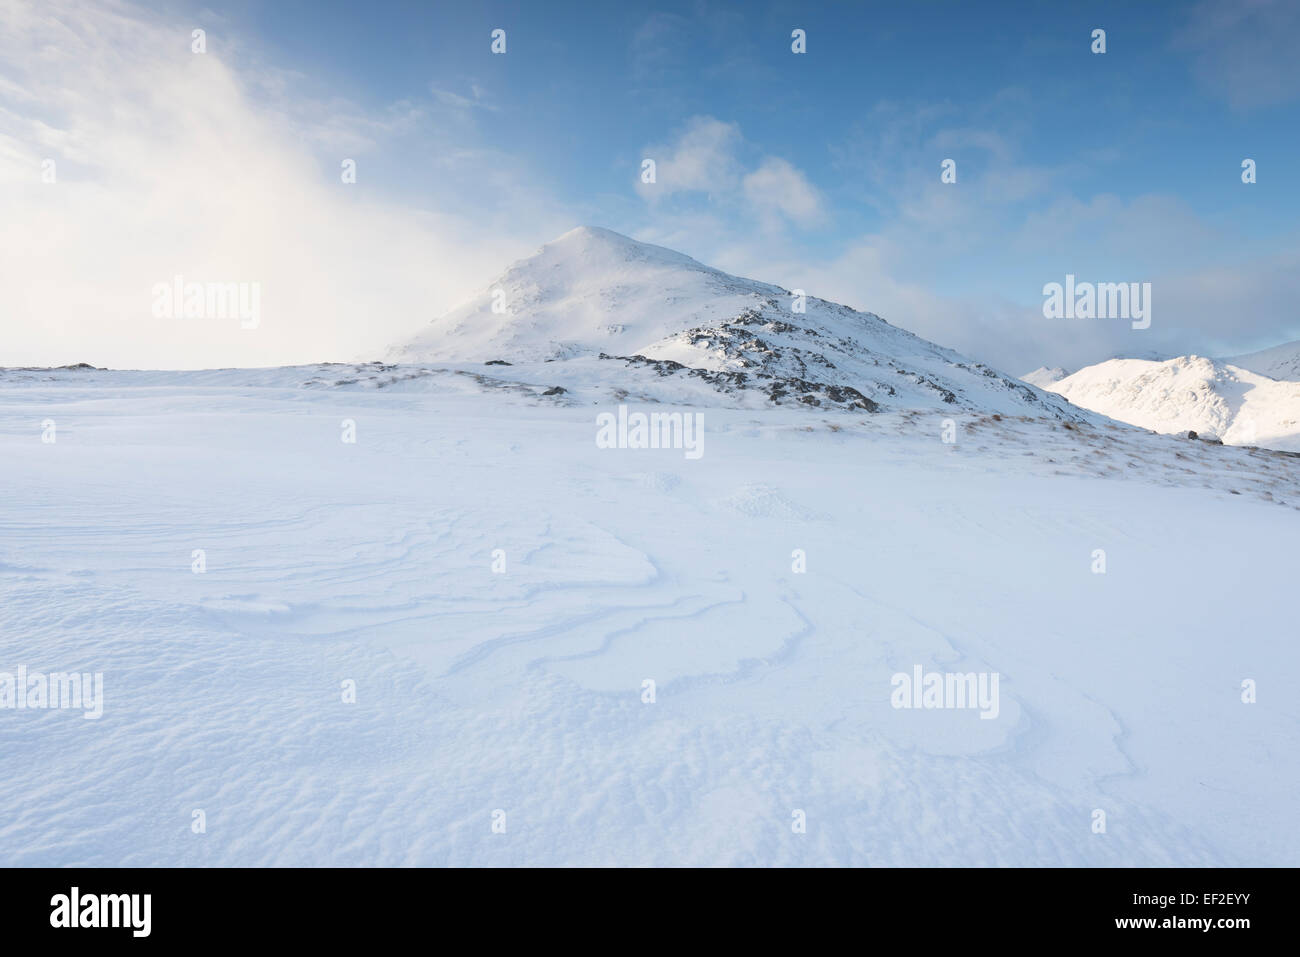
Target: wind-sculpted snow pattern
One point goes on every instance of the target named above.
(499, 590)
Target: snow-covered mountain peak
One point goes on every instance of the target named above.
(591, 290)
(640, 310)
(599, 248)
(1044, 376)
(1211, 397)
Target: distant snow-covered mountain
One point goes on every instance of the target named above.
(1215, 398)
(605, 311)
(1279, 362)
(1044, 377)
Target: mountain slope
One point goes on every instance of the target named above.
(1191, 393)
(1279, 362)
(1043, 377)
(368, 564)
(588, 291)
(639, 312)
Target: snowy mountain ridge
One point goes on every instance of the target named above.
(1211, 397)
(348, 512)
(1279, 362)
(1043, 376)
(606, 311)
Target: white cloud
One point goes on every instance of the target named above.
(702, 159)
(964, 265)
(167, 164)
(705, 160)
(778, 186)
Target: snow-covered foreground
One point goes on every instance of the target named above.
(522, 690)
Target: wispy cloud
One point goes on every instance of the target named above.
(168, 162)
(778, 187)
(1244, 51)
(707, 158)
(964, 264)
(702, 159)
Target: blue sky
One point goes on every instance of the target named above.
(585, 87)
(821, 170)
